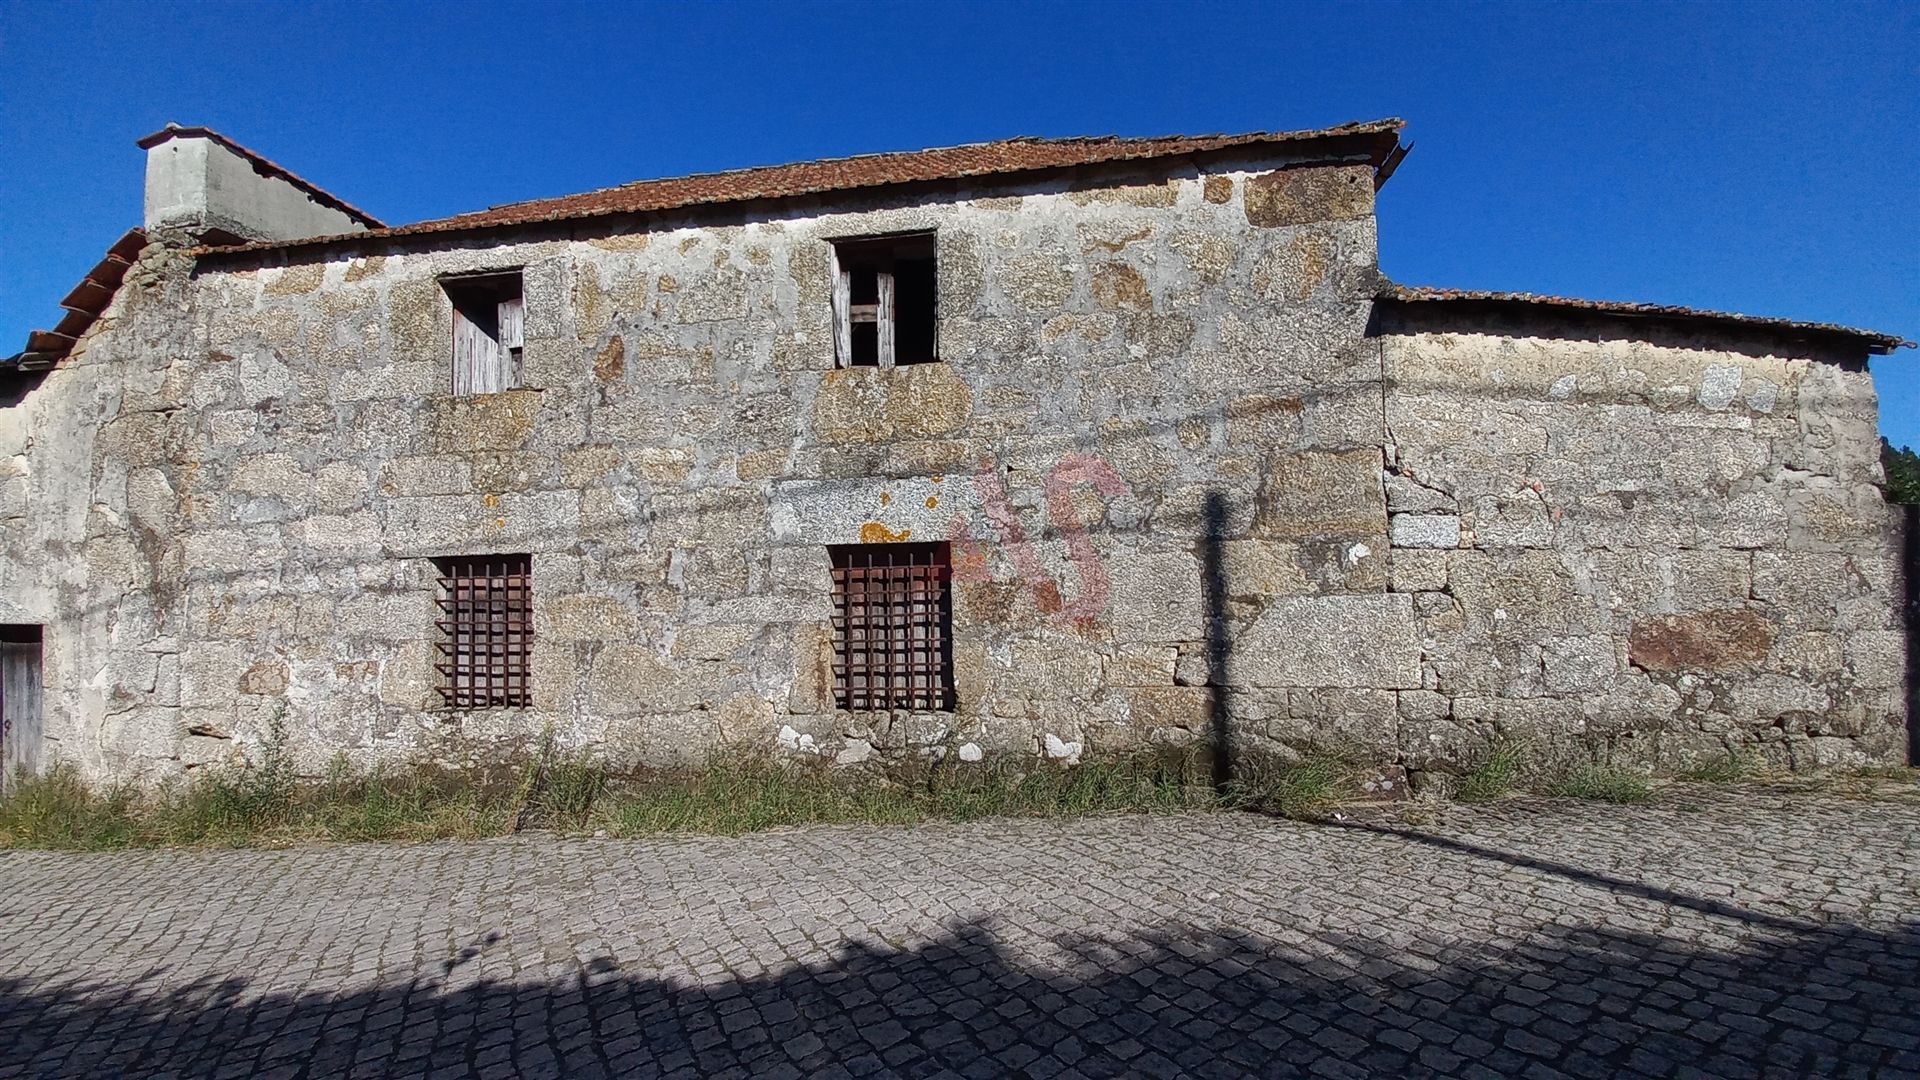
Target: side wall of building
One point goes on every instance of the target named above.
(1668, 544)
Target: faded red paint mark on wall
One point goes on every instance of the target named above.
(970, 553)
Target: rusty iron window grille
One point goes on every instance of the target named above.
(892, 626)
(486, 631)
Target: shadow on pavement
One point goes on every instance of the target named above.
(1188, 1001)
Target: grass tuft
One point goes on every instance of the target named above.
(1727, 770)
(1291, 789)
(1493, 777)
(1602, 782)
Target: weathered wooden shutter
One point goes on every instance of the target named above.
(511, 315)
(883, 318)
(842, 312)
(471, 347)
(19, 709)
(936, 303)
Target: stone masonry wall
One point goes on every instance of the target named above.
(1668, 543)
(1160, 443)
(231, 494)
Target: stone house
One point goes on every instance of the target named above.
(1036, 446)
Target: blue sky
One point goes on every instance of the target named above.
(1747, 157)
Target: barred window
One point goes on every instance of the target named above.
(892, 626)
(486, 631)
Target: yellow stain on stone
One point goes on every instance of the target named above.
(933, 501)
(492, 501)
(875, 533)
(886, 497)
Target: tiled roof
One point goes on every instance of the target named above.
(1872, 341)
(45, 348)
(320, 195)
(1371, 141)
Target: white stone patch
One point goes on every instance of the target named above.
(1356, 553)
(798, 741)
(1425, 530)
(971, 752)
(855, 752)
(851, 511)
(1061, 750)
(1719, 385)
(1763, 396)
(1563, 387)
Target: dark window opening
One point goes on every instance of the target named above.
(485, 631)
(886, 301)
(488, 313)
(892, 626)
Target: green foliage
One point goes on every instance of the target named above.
(1903, 473)
(1494, 776)
(1600, 781)
(1727, 770)
(1293, 789)
(742, 793)
(57, 810)
(264, 804)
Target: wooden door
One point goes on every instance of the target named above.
(19, 702)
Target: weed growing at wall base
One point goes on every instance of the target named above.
(1494, 776)
(1602, 782)
(731, 794)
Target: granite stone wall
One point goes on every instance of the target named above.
(1666, 542)
(1195, 480)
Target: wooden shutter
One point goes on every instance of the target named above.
(883, 319)
(19, 709)
(471, 346)
(842, 312)
(512, 313)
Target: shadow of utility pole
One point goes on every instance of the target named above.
(1910, 621)
(1213, 582)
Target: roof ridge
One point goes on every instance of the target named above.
(1021, 154)
(1237, 138)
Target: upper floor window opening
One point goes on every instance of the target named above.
(885, 301)
(488, 311)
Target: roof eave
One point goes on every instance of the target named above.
(1872, 342)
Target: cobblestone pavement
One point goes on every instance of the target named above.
(1737, 936)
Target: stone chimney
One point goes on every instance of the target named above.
(203, 187)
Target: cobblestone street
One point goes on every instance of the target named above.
(1734, 935)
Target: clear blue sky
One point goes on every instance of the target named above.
(1746, 157)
